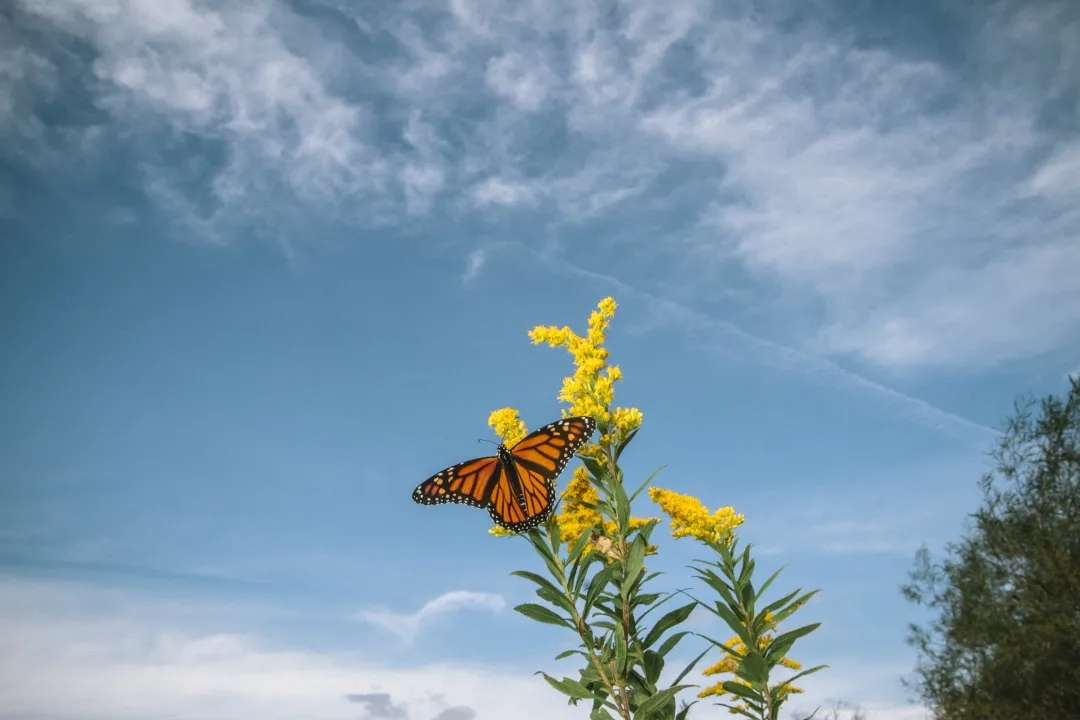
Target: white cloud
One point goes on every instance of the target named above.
(499, 191)
(71, 652)
(670, 313)
(230, 76)
(407, 626)
(893, 218)
(474, 264)
(862, 537)
(1058, 177)
(526, 82)
(883, 188)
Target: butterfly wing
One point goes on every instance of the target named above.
(531, 496)
(547, 450)
(507, 507)
(518, 492)
(470, 482)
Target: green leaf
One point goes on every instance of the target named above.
(669, 620)
(735, 623)
(570, 687)
(742, 691)
(622, 508)
(772, 607)
(581, 567)
(658, 701)
(579, 546)
(555, 598)
(654, 665)
(685, 709)
(721, 646)
(747, 568)
(655, 606)
(754, 668)
(539, 580)
(717, 583)
(599, 580)
(568, 653)
(672, 640)
(765, 585)
(804, 672)
(542, 614)
(690, 666)
(794, 606)
(748, 598)
(625, 441)
(595, 469)
(600, 713)
(646, 599)
(737, 710)
(635, 559)
(780, 645)
(553, 534)
(544, 552)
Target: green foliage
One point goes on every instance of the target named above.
(1004, 642)
(757, 653)
(599, 588)
(599, 592)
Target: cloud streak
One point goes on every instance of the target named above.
(407, 626)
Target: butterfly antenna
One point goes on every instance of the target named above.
(485, 440)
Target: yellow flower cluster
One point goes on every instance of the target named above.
(690, 518)
(729, 663)
(627, 419)
(507, 425)
(718, 689)
(591, 389)
(579, 514)
(578, 507)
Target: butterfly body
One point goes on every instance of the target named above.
(517, 484)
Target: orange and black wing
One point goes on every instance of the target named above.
(515, 509)
(519, 490)
(546, 451)
(471, 482)
(522, 500)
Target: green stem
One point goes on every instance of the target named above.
(586, 636)
(623, 550)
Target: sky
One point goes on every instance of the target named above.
(266, 265)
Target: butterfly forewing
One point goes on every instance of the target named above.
(549, 449)
(469, 482)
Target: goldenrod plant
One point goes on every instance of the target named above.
(595, 581)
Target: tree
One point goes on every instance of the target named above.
(1004, 639)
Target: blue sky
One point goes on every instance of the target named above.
(267, 265)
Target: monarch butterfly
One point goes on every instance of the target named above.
(516, 485)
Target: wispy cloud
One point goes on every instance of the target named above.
(474, 264)
(499, 191)
(407, 626)
(906, 198)
(862, 537)
(74, 651)
(671, 313)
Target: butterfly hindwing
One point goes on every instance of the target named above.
(505, 507)
(537, 494)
